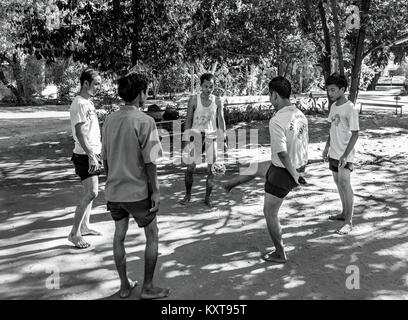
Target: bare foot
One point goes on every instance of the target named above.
(126, 291)
(90, 232)
(154, 293)
(208, 202)
(339, 217)
(227, 188)
(345, 229)
(78, 242)
(274, 257)
(185, 200)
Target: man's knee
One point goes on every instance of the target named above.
(120, 235)
(121, 228)
(344, 181)
(191, 169)
(272, 205)
(152, 232)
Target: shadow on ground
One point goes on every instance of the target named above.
(207, 253)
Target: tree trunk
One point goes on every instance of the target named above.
(192, 79)
(359, 49)
(137, 6)
(337, 36)
(325, 60)
(12, 88)
(18, 76)
(374, 81)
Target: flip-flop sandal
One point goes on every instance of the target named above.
(163, 294)
(344, 230)
(133, 284)
(184, 201)
(337, 217)
(268, 257)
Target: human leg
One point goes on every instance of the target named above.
(261, 170)
(188, 181)
(345, 186)
(271, 208)
(151, 252)
(339, 216)
(119, 254)
(86, 230)
(90, 185)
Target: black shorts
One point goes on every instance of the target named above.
(279, 182)
(334, 165)
(81, 164)
(138, 209)
(203, 144)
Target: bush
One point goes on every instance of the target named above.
(33, 77)
(249, 113)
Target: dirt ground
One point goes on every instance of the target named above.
(205, 253)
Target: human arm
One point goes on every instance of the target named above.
(279, 147)
(105, 165)
(350, 146)
(81, 133)
(285, 159)
(190, 113)
(220, 115)
(151, 151)
(326, 149)
(151, 171)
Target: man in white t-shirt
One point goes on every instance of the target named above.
(340, 144)
(289, 146)
(86, 154)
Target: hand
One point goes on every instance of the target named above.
(325, 154)
(296, 177)
(155, 197)
(95, 164)
(342, 161)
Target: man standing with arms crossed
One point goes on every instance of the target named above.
(86, 154)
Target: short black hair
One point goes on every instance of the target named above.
(282, 86)
(131, 85)
(88, 74)
(338, 80)
(206, 76)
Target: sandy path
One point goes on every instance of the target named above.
(207, 254)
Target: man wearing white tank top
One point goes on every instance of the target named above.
(205, 116)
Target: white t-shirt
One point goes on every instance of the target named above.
(83, 110)
(289, 132)
(344, 119)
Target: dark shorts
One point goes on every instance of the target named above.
(334, 165)
(203, 144)
(81, 164)
(279, 182)
(139, 210)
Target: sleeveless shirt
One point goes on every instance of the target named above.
(205, 118)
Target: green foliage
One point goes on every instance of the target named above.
(248, 113)
(68, 83)
(34, 77)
